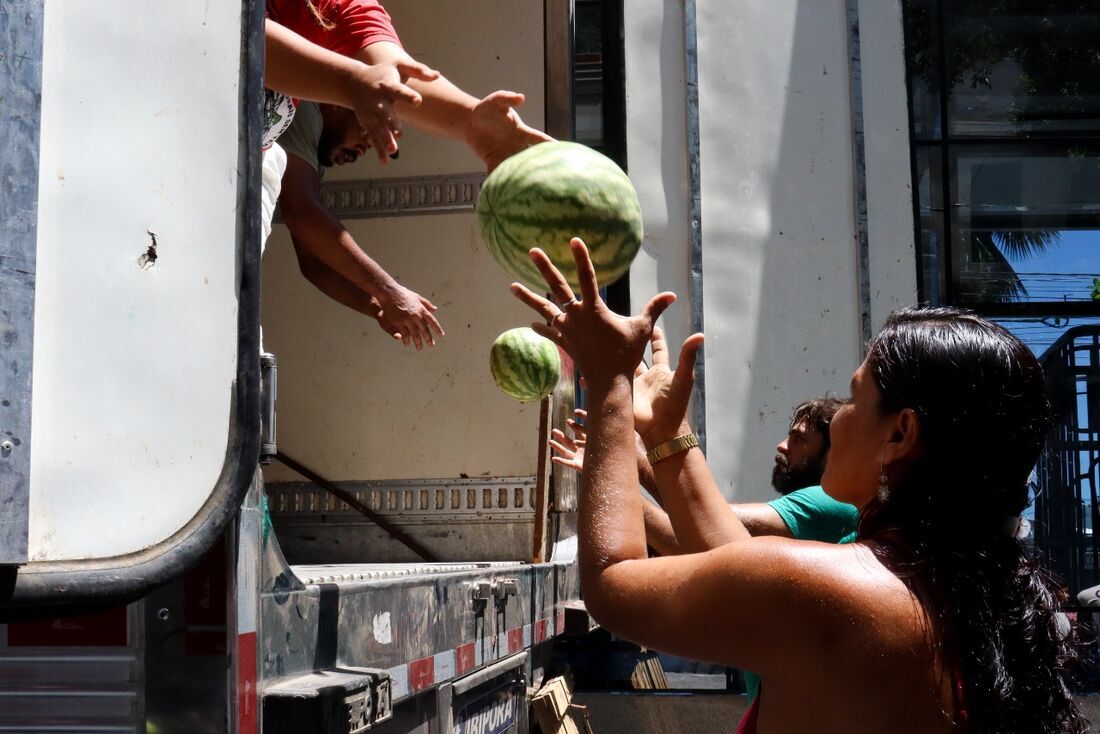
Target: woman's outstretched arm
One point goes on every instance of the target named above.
(743, 603)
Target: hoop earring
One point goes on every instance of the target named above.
(883, 483)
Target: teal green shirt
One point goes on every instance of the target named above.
(811, 515)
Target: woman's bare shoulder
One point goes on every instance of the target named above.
(848, 582)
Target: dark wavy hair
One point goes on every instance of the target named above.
(947, 526)
(817, 414)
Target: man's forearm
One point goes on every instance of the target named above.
(699, 514)
(659, 534)
(646, 477)
(445, 109)
(334, 285)
(300, 68)
(325, 239)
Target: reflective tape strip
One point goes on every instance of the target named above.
(479, 651)
(248, 570)
(515, 640)
(418, 675)
(399, 681)
(421, 673)
(464, 658)
(248, 717)
(444, 663)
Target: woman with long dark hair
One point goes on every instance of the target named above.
(935, 620)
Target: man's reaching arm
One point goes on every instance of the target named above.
(317, 232)
(490, 126)
(568, 451)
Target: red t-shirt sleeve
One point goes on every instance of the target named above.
(359, 24)
(348, 26)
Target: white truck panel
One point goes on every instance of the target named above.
(355, 405)
(779, 263)
(779, 220)
(656, 140)
(890, 231)
(133, 365)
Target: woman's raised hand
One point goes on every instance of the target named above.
(603, 344)
(661, 394)
(569, 450)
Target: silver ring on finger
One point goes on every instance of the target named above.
(570, 302)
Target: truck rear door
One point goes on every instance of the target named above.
(129, 264)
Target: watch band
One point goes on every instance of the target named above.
(675, 446)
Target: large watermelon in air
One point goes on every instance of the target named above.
(551, 192)
(525, 366)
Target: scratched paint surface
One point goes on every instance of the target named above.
(136, 347)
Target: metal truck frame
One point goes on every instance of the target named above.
(143, 586)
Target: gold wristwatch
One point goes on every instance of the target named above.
(668, 448)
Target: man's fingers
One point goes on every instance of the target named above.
(385, 142)
(563, 461)
(505, 99)
(391, 330)
(656, 307)
(561, 449)
(660, 346)
(380, 126)
(434, 323)
(549, 332)
(571, 443)
(415, 70)
(586, 274)
(401, 93)
(543, 307)
(428, 304)
(420, 328)
(555, 281)
(685, 368)
(581, 413)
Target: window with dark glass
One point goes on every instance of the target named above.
(599, 95)
(1005, 132)
(1005, 123)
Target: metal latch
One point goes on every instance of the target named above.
(342, 701)
(481, 591)
(268, 381)
(505, 588)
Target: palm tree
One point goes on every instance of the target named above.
(990, 251)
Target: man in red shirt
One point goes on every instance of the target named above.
(362, 29)
(325, 135)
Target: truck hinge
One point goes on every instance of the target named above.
(268, 380)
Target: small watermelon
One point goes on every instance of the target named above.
(525, 366)
(550, 193)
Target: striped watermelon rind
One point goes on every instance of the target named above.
(525, 366)
(551, 192)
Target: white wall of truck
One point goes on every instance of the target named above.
(780, 187)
